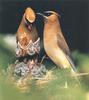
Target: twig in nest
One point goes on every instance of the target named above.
(53, 68)
(43, 58)
(80, 74)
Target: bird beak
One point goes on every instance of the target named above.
(42, 15)
(52, 12)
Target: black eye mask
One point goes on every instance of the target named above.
(48, 14)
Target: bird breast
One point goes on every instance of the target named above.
(55, 53)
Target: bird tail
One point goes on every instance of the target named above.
(72, 64)
(73, 69)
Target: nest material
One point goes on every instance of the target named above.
(24, 82)
(31, 48)
(21, 69)
(37, 71)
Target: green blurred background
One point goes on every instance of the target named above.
(74, 23)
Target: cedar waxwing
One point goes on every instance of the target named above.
(28, 42)
(54, 42)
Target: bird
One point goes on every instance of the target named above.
(27, 39)
(54, 42)
(55, 45)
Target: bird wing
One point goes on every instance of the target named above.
(62, 43)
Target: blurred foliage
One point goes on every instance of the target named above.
(54, 89)
(82, 62)
(6, 54)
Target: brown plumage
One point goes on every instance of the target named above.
(27, 33)
(54, 42)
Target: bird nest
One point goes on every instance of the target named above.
(20, 75)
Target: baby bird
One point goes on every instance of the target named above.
(28, 42)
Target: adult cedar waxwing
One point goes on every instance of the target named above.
(54, 42)
(28, 42)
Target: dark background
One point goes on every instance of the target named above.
(74, 18)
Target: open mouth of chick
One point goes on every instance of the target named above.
(29, 24)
